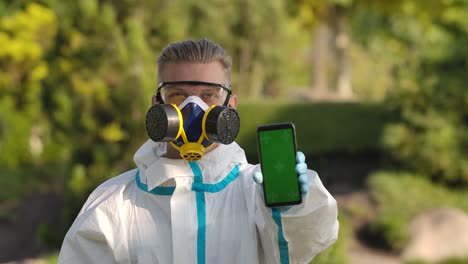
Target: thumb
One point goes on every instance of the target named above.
(258, 177)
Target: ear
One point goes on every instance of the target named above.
(233, 101)
(154, 100)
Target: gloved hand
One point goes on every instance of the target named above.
(301, 168)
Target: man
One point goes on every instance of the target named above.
(171, 210)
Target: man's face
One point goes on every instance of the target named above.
(212, 72)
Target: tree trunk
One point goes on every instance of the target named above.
(244, 63)
(256, 80)
(343, 75)
(320, 58)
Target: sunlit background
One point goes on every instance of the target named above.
(378, 91)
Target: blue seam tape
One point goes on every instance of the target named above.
(282, 243)
(216, 187)
(160, 190)
(201, 214)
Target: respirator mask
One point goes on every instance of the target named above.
(187, 121)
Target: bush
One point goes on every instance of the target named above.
(430, 97)
(401, 196)
(320, 127)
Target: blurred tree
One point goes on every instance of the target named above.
(103, 77)
(430, 95)
(260, 36)
(26, 37)
(334, 23)
(328, 20)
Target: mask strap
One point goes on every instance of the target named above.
(159, 98)
(228, 96)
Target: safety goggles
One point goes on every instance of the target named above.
(176, 92)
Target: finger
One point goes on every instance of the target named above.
(303, 179)
(301, 168)
(300, 157)
(304, 182)
(304, 189)
(258, 177)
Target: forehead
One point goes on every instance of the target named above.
(205, 72)
(191, 88)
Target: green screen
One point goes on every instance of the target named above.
(277, 154)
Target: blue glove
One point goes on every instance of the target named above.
(301, 169)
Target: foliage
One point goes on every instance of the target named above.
(26, 37)
(49, 235)
(320, 127)
(51, 258)
(430, 93)
(257, 33)
(425, 41)
(401, 196)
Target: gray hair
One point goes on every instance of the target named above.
(201, 51)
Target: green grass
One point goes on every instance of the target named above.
(50, 258)
(448, 261)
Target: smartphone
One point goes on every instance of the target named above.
(277, 155)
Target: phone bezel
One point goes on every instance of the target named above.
(277, 126)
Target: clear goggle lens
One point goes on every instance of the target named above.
(176, 94)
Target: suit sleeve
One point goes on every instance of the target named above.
(85, 241)
(95, 236)
(299, 233)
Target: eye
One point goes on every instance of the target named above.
(210, 98)
(176, 94)
(209, 95)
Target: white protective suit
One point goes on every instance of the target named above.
(214, 214)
